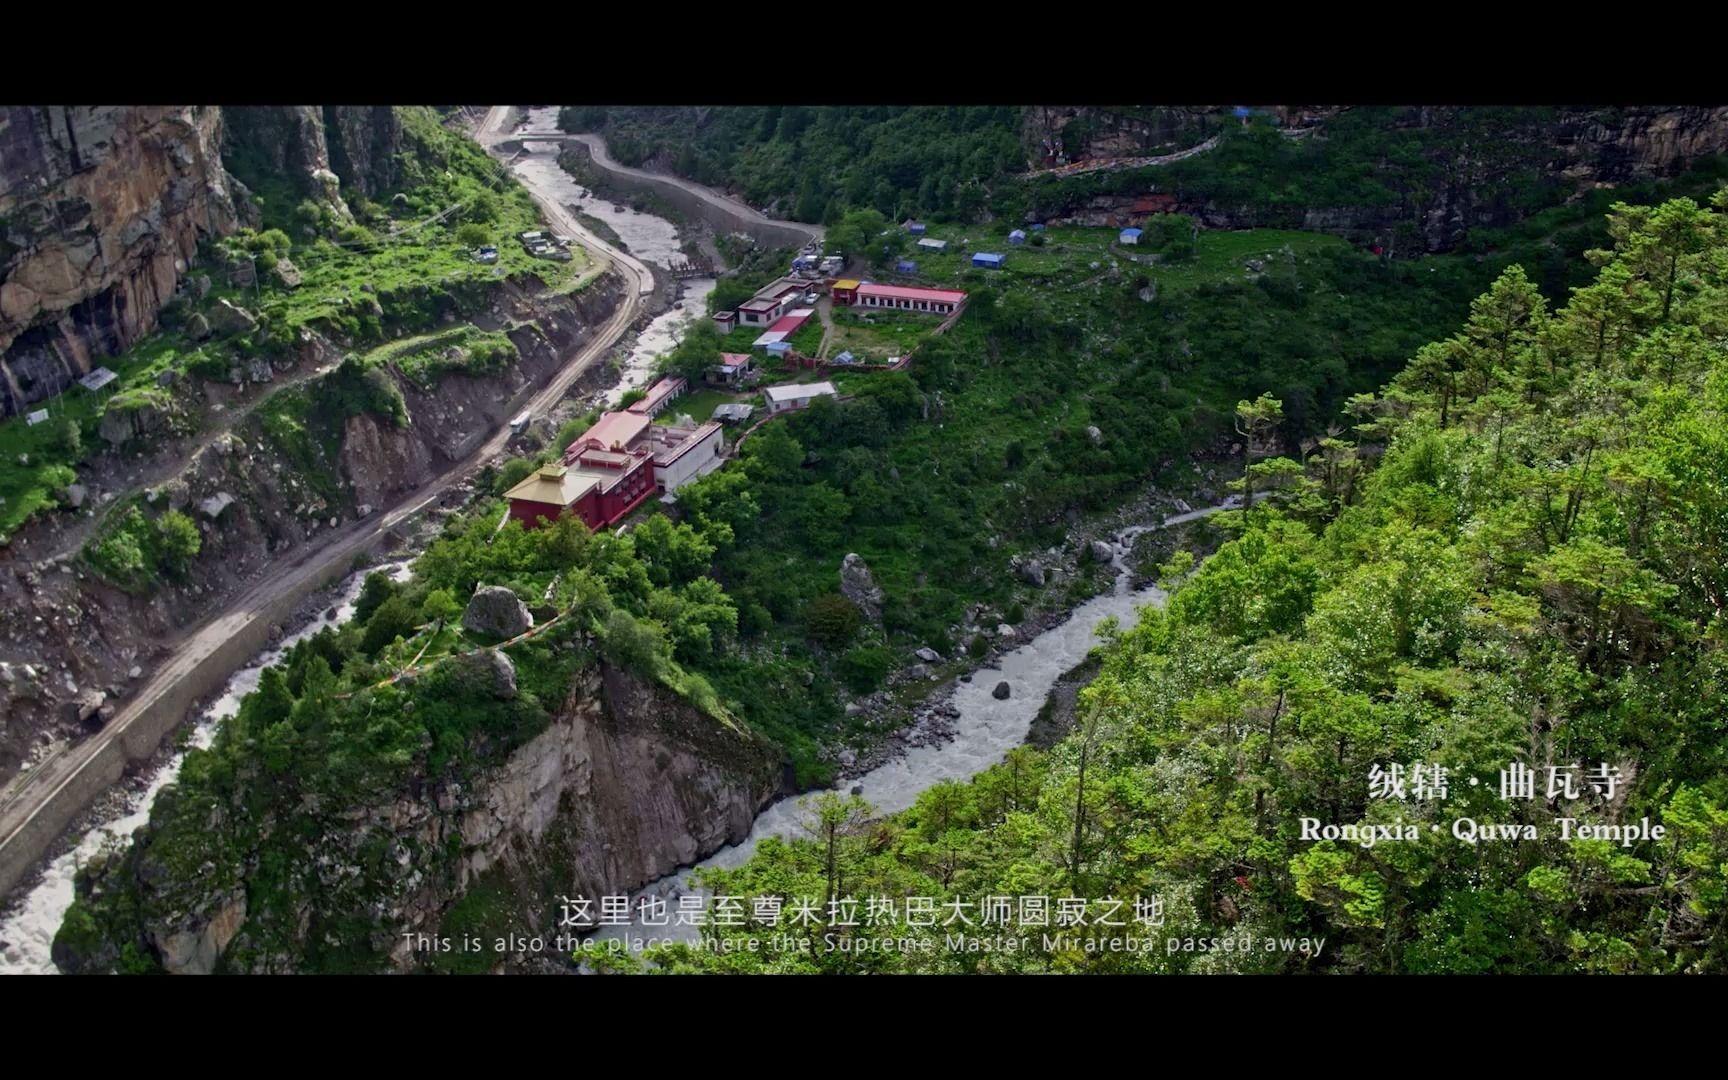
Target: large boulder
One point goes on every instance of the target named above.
(858, 586)
(496, 612)
(501, 671)
(1102, 552)
(225, 318)
(287, 273)
(1001, 692)
(1032, 573)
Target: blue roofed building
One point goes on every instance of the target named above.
(1129, 236)
(1018, 236)
(987, 259)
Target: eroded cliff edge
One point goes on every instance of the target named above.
(625, 783)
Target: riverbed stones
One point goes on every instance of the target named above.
(496, 612)
(1001, 692)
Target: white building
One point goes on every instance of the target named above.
(796, 395)
(683, 454)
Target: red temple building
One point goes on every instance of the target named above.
(614, 466)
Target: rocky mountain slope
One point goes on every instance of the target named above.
(627, 783)
(1414, 179)
(103, 209)
(261, 493)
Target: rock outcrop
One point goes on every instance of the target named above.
(858, 586)
(626, 784)
(496, 612)
(101, 211)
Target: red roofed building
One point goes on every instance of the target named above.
(614, 466)
(660, 395)
(910, 298)
(613, 431)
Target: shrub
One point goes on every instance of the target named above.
(514, 472)
(472, 235)
(178, 542)
(440, 604)
(135, 551)
(1015, 614)
(832, 620)
(865, 668)
(979, 647)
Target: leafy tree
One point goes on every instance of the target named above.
(178, 541)
(440, 606)
(376, 589)
(398, 616)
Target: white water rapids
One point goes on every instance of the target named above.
(984, 733)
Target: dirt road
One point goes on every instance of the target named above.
(38, 805)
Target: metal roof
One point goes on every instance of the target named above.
(912, 292)
(613, 429)
(554, 485)
(800, 391)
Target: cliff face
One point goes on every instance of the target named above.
(101, 211)
(626, 784)
(1637, 143)
(1455, 168)
(318, 149)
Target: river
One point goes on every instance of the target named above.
(27, 933)
(986, 730)
(649, 238)
(27, 929)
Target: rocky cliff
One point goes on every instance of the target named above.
(627, 783)
(102, 209)
(318, 149)
(101, 212)
(1411, 179)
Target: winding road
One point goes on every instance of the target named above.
(497, 128)
(37, 806)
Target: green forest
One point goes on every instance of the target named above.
(1513, 558)
(1493, 503)
(812, 163)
